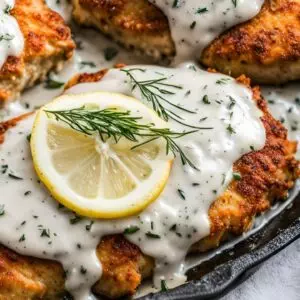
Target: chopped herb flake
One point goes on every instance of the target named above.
(236, 176)
(152, 235)
(131, 230)
(181, 193)
(110, 53)
(163, 286)
(2, 211)
(205, 99)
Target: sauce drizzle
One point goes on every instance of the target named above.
(195, 24)
(11, 37)
(177, 219)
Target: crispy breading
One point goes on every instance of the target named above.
(266, 176)
(136, 24)
(266, 49)
(48, 45)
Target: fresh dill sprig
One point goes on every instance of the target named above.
(154, 91)
(111, 123)
(234, 2)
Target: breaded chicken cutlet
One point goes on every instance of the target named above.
(266, 48)
(48, 45)
(266, 176)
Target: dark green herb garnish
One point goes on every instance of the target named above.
(27, 193)
(75, 219)
(60, 206)
(89, 226)
(176, 3)
(205, 99)
(6, 37)
(131, 230)
(232, 102)
(2, 211)
(192, 26)
(234, 2)
(201, 10)
(163, 286)
(152, 235)
(7, 9)
(4, 168)
(45, 233)
(83, 270)
(153, 91)
(14, 176)
(230, 129)
(223, 81)
(110, 53)
(116, 124)
(173, 227)
(236, 176)
(22, 238)
(181, 193)
(87, 63)
(52, 84)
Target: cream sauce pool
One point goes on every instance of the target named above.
(34, 224)
(11, 37)
(195, 24)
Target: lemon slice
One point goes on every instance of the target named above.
(96, 178)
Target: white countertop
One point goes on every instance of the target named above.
(277, 279)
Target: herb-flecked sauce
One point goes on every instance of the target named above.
(230, 127)
(33, 223)
(195, 24)
(11, 37)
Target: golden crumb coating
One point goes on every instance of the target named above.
(266, 48)
(266, 176)
(136, 24)
(48, 45)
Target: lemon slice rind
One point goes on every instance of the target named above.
(58, 183)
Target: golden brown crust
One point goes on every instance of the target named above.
(48, 44)
(136, 24)
(29, 278)
(124, 267)
(266, 49)
(266, 176)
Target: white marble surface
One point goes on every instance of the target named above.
(277, 279)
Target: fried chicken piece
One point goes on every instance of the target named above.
(136, 24)
(266, 176)
(23, 277)
(266, 48)
(48, 45)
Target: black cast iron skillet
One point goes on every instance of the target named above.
(224, 271)
(220, 274)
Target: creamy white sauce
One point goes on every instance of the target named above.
(284, 104)
(195, 24)
(11, 37)
(64, 245)
(63, 7)
(213, 151)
